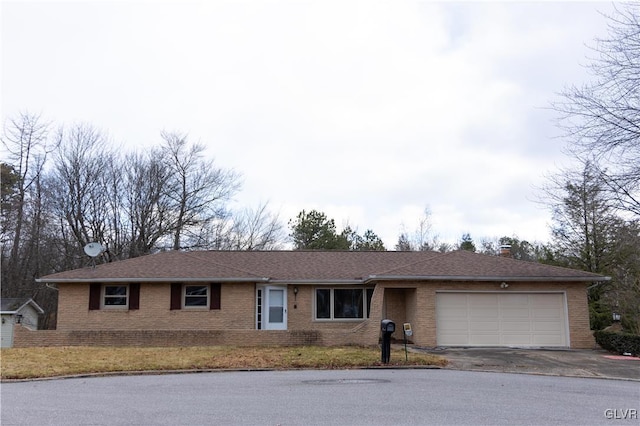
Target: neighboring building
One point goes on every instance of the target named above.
(321, 297)
(17, 311)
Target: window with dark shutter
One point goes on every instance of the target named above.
(196, 296)
(134, 296)
(94, 296)
(176, 296)
(215, 296)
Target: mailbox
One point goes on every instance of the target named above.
(388, 326)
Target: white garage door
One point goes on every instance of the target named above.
(501, 319)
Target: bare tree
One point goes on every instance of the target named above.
(245, 229)
(79, 188)
(601, 119)
(422, 237)
(197, 189)
(256, 229)
(115, 187)
(25, 220)
(147, 206)
(25, 138)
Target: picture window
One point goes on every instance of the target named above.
(342, 303)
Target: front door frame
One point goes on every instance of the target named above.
(269, 307)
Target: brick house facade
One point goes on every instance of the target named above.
(319, 297)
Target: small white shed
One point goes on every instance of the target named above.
(23, 311)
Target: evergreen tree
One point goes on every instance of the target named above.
(314, 231)
(467, 243)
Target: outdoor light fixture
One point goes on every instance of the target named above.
(504, 285)
(616, 316)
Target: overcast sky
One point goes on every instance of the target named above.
(368, 111)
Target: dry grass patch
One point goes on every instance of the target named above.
(23, 363)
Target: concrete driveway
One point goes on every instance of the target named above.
(555, 362)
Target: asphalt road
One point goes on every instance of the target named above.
(337, 397)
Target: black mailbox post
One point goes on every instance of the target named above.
(387, 327)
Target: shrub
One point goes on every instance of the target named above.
(618, 342)
(599, 315)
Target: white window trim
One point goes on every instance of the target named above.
(365, 311)
(103, 296)
(184, 297)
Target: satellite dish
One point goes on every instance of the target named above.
(93, 249)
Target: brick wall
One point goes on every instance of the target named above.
(166, 338)
(234, 324)
(579, 328)
(237, 311)
(154, 324)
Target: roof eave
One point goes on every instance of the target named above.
(481, 278)
(151, 280)
(354, 281)
(369, 279)
(31, 302)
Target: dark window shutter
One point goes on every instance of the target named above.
(176, 296)
(134, 296)
(215, 296)
(94, 296)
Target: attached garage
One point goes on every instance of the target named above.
(501, 319)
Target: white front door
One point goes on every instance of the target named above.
(271, 304)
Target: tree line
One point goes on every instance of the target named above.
(65, 187)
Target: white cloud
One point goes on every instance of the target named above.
(368, 111)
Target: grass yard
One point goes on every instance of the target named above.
(28, 363)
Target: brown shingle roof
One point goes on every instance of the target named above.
(318, 266)
(464, 264)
